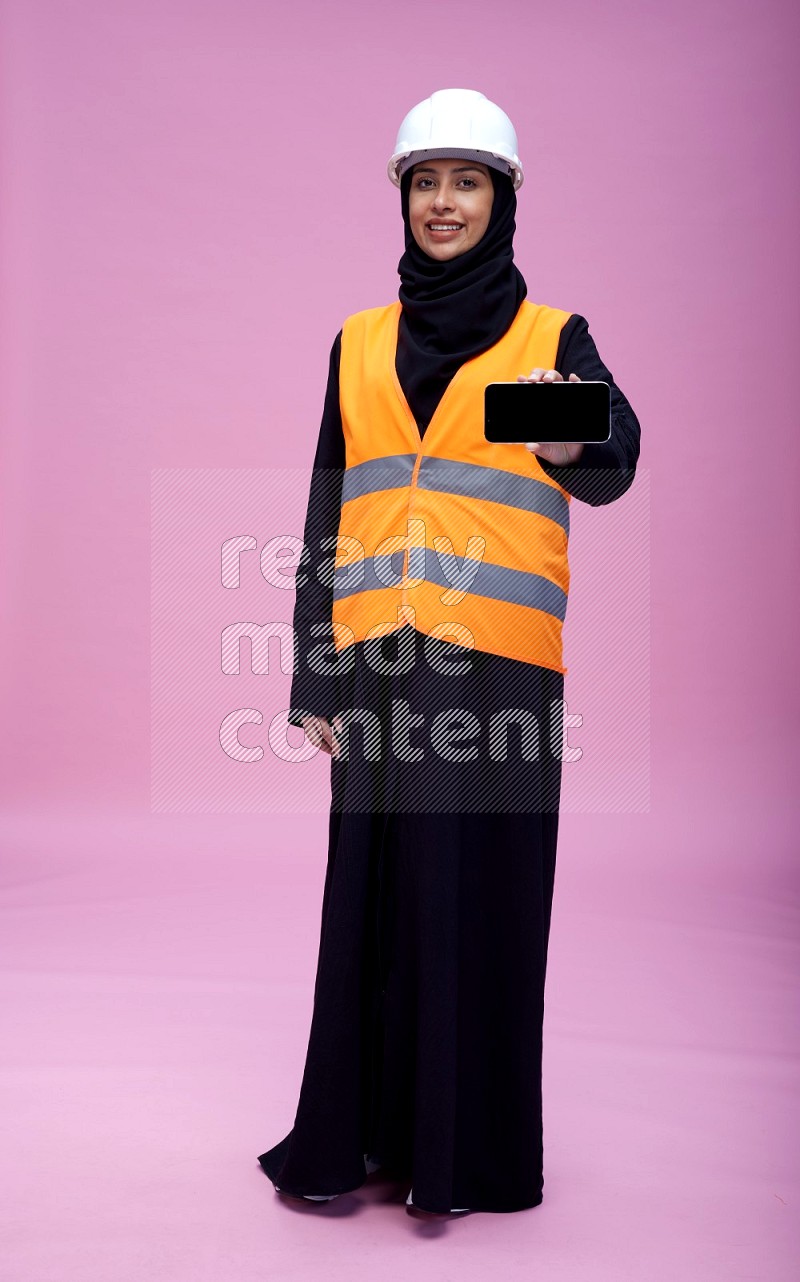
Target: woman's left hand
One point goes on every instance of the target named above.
(553, 451)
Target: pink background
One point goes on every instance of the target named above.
(193, 199)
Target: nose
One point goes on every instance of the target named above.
(443, 199)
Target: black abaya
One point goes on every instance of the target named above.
(426, 1037)
(425, 1048)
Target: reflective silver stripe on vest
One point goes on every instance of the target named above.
(452, 477)
(517, 587)
(496, 485)
(390, 473)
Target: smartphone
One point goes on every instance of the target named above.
(519, 412)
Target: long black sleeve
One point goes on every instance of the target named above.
(605, 469)
(315, 691)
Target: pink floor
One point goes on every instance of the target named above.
(157, 982)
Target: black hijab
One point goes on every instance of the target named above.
(453, 310)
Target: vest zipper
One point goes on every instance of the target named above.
(411, 489)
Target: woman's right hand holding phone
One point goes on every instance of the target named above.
(553, 451)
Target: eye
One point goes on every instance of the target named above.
(421, 183)
(469, 181)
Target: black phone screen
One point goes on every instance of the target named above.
(519, 412)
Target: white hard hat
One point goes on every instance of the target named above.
(461, 123)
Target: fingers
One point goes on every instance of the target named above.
(323, 733)
(540, 375)
(555, 451)
(319, 732)
(337, 726)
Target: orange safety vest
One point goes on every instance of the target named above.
(481, 528)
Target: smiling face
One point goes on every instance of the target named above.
(449, 206)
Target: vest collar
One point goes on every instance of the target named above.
(391, 354)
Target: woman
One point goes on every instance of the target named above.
(438, 696)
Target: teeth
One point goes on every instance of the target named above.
(445, 226)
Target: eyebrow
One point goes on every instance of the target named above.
(461, 169)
